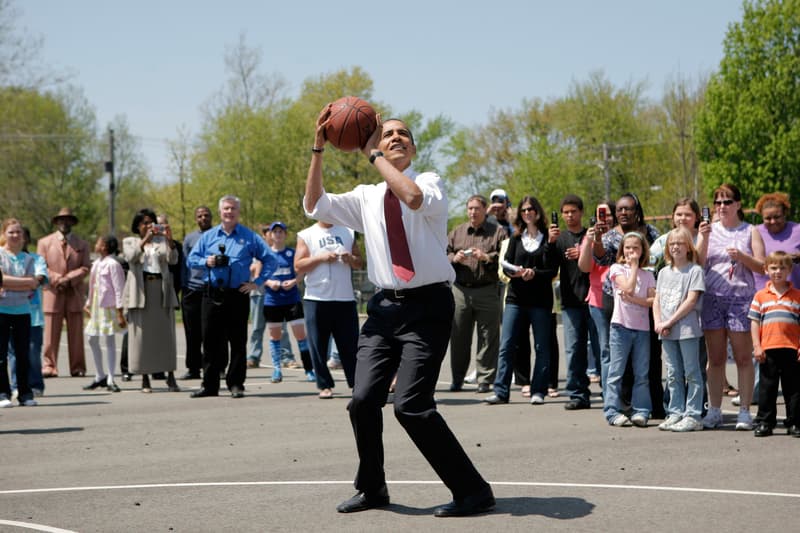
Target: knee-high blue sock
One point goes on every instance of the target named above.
(275, 352)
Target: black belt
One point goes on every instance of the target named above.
(399, 294)
(476, 284)
(150, 277)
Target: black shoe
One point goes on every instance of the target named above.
(793, 431)
(762, 430)
(480, 502)
(483, 388)
(172, 385)
(494, 399)
(191, 374)
(94, 384)
(574, 405)
(113, 387)
(456, 387)
(237, 392)
(127, 377)
(203, 393)
(363, 501)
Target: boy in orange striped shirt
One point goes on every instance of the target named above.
(775, 328)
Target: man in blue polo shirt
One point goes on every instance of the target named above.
(225, 252)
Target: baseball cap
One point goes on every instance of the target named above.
(277, 224)
(498, 193)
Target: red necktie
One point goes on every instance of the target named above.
(402, 266)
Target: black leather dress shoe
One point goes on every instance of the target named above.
(456, 387)
(480, 502)
(203, 393)
(574, 405)
(483, 388)
(94, 384)
(793, 431)
(127, 376)
(363, 501)
(237, 392)
(191, 374)
(762, 430)
(494, 399)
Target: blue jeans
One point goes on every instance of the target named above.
(627, 343)
(35, 379)
(255, 346)
(602, 324)
(684, 379)
(517, 321)
(325, 319)
(576, 331)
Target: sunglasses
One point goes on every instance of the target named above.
(527, 210)
(727, 201)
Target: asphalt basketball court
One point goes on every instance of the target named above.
(280, 459)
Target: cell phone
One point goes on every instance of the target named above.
(603, 211)
(706, 214)
(467, 252)
(554, 218)
(158, 229)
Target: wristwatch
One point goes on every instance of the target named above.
(374, 156)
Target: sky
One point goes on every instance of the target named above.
(159, 61)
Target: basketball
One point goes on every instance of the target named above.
(351, 123)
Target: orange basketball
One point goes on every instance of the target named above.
(351, 123)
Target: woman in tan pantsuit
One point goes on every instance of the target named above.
(150, 299)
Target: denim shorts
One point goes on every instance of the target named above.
(726, 312)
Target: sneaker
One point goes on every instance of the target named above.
(14, 394)
(620, 421)
(639, 420)
(5, 403)
(334, 364)
(687, 424)
(472, 378)
(737, 401)
(310, 376)
(667, 424)
(537, 399)
(277, 375)
(252, 363)
(713, 419)
(37, 392)
(744, 422)
(30, 402)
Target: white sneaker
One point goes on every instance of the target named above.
(472, 378)
(713, 418)
(667, 424)
(29, 403)
(620, 421)
(14, 394)
(639, 420)
(334, 364)
(744, 422)
(5, 403)
(687, 424)
(537, 399)
(737, 400)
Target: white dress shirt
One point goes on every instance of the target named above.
(426, 229)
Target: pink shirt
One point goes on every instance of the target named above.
(109, 277)
(628, 314)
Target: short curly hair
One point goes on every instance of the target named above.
(773, 199)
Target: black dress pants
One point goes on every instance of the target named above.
(224, 317)
(781, 364)
(408, 336)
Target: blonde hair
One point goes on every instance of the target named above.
(683, 234)
(6, 224)
(644, 260)
(778, 257)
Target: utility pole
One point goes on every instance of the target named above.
(111, 185)
(606, 167)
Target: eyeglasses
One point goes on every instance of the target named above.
(677, 243)
(527, 210)
(727, 201)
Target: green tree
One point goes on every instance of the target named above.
(749, 128)
(48, 157)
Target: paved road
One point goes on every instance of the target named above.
(280, 460)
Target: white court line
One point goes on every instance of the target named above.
(35, 527)
(322, 482)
